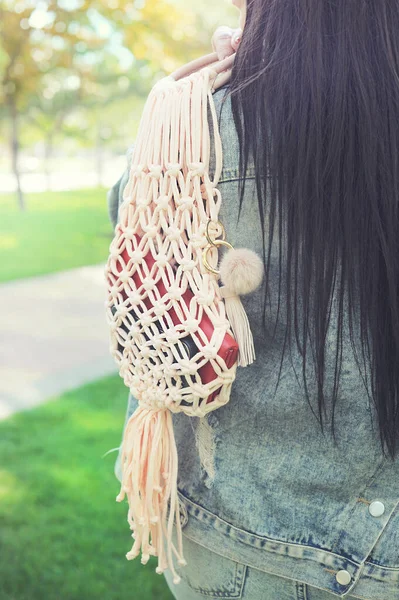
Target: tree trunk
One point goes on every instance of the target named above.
(15, 153)
(48, 153)
(99, 157)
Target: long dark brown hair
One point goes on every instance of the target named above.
(315, 98)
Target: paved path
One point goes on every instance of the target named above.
(53, 336)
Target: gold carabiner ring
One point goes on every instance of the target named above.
(205, 254)
(207, 231)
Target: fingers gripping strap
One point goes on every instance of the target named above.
(165, 310)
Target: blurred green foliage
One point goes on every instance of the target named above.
(62, 533)
(61, 230)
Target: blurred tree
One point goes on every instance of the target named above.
(60, 57)
(110, 109)
(161, 36)
(38, 37)
(167, 33)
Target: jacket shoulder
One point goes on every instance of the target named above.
(229, 137)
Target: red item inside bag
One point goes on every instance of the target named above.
(229, 347)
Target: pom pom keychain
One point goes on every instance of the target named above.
(241, 272)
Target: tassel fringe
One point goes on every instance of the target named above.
(149, 464)
(240, 327)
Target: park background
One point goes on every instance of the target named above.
(74, 78)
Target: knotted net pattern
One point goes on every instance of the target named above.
(168, 201)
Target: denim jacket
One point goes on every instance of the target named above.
(282, 497)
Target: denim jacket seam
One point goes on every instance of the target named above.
(369, 483)
(247, 565)
(234, 175)
(260, 538)
(229, 175)
(232, 178)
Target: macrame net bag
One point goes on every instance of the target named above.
(169, 317)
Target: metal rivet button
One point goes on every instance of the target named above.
(343, 577)
(376, 508)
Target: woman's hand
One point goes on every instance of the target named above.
(225, 41)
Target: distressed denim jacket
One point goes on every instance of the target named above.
(277, 493)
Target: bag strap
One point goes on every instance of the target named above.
(222, 68)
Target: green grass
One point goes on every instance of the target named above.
(63, 536)
(59, 230)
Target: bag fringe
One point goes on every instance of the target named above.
(149, 464)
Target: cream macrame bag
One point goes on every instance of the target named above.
(167, 313)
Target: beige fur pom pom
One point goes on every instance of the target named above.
(241, 270)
